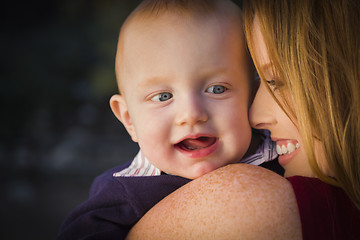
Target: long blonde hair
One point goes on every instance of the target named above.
(314, 46)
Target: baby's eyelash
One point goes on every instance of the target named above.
(162, 97)
(217, 89)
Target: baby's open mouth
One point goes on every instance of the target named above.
(196, 143)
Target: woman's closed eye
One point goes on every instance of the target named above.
(274, 84)
(162, 97)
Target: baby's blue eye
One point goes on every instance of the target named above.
(217, 89)
(161, 97)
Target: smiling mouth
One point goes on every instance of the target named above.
(196, 143)
(283, 149)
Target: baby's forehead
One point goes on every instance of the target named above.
(143, 23)
(168, 29)
(185, 9)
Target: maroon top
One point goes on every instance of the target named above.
(325, 211)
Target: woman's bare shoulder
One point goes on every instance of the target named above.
(238, 201)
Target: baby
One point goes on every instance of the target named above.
(184, 86)
(184, 77)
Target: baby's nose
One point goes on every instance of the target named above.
(192, 111)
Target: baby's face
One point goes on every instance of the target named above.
(186, 86)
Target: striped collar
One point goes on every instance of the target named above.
(140, 166)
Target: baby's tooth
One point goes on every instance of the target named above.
(297, 145)
(283, 149)
(290, 147)
(278, 149)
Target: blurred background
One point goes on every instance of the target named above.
(57, 130)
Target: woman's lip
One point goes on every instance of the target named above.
(287, 143)
(284, 141)
(286, 158)
(274, 139)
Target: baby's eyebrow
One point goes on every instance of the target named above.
(150, 81)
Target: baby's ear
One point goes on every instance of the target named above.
(120, 109)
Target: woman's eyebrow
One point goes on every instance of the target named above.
(266, 66)
(267, 69)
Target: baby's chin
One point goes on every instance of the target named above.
(198, 170)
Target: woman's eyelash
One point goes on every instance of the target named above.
(271, 82)
(274, 84)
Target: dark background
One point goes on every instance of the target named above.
(57, 130)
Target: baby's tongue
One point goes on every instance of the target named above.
(201, 142)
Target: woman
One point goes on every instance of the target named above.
(307, 55)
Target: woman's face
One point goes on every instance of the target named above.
(265, 113)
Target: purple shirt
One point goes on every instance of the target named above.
(115, 204)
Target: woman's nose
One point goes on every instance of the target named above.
(191, 111)
(261, 115)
